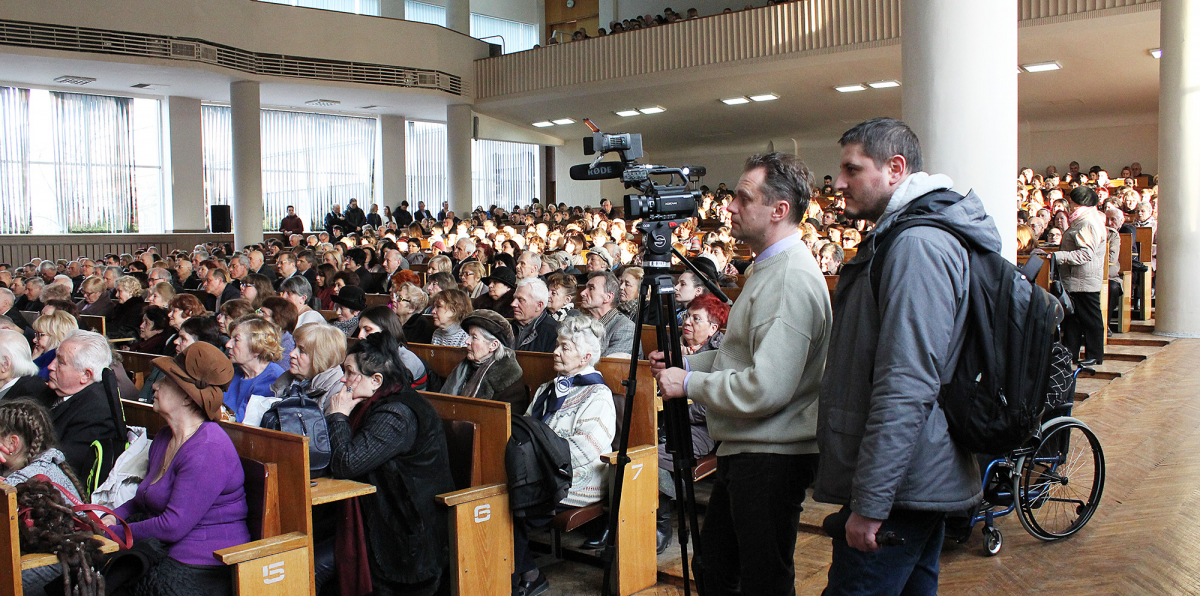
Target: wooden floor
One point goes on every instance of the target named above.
(1144, 539)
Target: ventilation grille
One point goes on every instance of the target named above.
(82, 39)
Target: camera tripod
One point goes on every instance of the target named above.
(657, 294)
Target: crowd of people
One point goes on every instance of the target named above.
(237, 331)
(668, 16)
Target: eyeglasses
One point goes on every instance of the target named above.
(697, 320)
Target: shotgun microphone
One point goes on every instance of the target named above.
(602, 171)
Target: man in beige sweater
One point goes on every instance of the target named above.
(761, 388)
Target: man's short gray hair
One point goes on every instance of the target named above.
(612, 285)
(47, 266)
(7, 294)
(35, 282)
(15, 348)
(585, 332)
(243, 259)
(537, 289)
(91, 351)
(467, 244)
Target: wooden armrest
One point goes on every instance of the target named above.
(34, 560)
(634, 453)
(261, 548)
(474, 493)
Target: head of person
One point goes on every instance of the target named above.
(688, 287)
(598, 259)
(285, 264)
(1025, 239)
(530, 299)
(450, 307)
(408, 299)
(502, 281)
(489, 334)
(440, 281)
(1054, 236)
(528, 264)
(254, 342)
(706, 315)
(1145, 211)
(161, 294)
(471, 273)
(877, 155)
(296, 290)
(463, 248)
(281, 312)
(349, 302)
(33, 288)
(439, 264)
(771, 199)
(319, 347)
(193, 384)
(217, 280)
(16, 360)
(373, 364)
(830, 258)
(26, 432)
(184, 307)
(562, 289)
(200, 328)
(600, 292)
(80, 361)
(1084, 196)
(60, 305)
(631, 282)
(579, 345)
(155, 320)
(256, 287)
(1113, 218)
(50, 330)
(239, 266)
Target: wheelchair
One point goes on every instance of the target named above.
(1053, 483)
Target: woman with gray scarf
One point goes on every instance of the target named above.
(490, 370)
(316, 365)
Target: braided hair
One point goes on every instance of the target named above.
(31, 421)
(52, 529)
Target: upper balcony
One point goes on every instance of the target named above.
(789, 30)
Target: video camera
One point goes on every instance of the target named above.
(661, 206)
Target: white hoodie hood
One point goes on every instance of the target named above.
(910, 188)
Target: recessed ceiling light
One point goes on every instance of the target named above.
(652, 110)
(764, 97)
(563, 121)
(1041, 66)
(851, 88)
(370, 107)
(1156, 52)
(150, 86)
(883, 84)
(543, 124)
(74, 80)
(734, 101)
(322, 102)
(627, 113)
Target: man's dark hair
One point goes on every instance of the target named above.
(787, 179)
(1085, 196)
(291, 206)
(881, 138)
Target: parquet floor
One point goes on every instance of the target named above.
(1143, 540)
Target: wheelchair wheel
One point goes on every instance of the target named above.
(993, 541)
(1058, 485)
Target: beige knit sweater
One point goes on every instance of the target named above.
(761, 386)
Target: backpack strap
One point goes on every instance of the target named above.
(920, 206)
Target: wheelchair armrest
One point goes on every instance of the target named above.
(473, 493)
(261, 548)
(633, 453)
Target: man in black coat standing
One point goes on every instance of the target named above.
(355, 218)
(334, 219)
(404, 218)
(83, 415)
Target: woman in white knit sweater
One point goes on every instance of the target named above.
(1080, 258)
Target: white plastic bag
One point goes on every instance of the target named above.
(256, 407)
(127, 472)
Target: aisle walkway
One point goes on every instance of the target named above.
(1144, 539)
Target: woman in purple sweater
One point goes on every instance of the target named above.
(192, 499)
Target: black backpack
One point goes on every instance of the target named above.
(302, 416)
(538, 463)
(1009, 367)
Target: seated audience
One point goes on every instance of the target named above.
(502, 284)
(490, 370)
(126, 316)
(84, 415)
(536, 330)
(48, 332)
(193, 499)
(599, 301)
(450, 307)
(161, 295)
(282, 313)
(315, 366)
(230, 312)
(254, 347)
(18, 373)
(562, 288)
(408, 302)
(154, 333)
(386, 434)
(702, 324)
(578, 407)
(296, 289)
(472, 274)
(380, 319)
(350, 301)
(257, 287)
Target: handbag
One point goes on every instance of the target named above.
(302, 416)
(91, 524)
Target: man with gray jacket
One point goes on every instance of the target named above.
(886, 454)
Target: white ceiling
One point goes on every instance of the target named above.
(1106, 71)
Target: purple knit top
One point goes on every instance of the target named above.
(199, 505)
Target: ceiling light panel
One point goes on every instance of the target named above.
(652, 110)
(883, 84)
(322, 102)
(734, 101)
(1041, 67)
(851, 88)
(543, 124)
(74, 80)
(764, 97)
(627, 113)
(563, 121)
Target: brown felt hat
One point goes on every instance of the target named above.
(203, 372)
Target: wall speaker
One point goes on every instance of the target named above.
(221, 218)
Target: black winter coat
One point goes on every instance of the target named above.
(126, 318)
(82, 419)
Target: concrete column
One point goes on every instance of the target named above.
(460, 128)
(185, 161)
(1177, 312)
(392, 133)
(247, 163)
(960, 97)
(392, 9)
(458, 16)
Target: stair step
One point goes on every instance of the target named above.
(1132, 341)
(1125, 357)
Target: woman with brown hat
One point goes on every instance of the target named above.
(192, 499)
(490, 370)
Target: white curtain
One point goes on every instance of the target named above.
(94, 163)
(421, 12)
(504, 174)
(425, 164)
(513, 36)
(15, 217)
(367, 7)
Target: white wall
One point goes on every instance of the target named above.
(726, 166)
(1111, 143)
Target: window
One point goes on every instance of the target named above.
(425, 164)
(367, 7)
(504, 174)
(421, 12)
(75, 163)
(513, 36)
(309, 161)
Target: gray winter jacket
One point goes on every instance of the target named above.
(883, 439)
